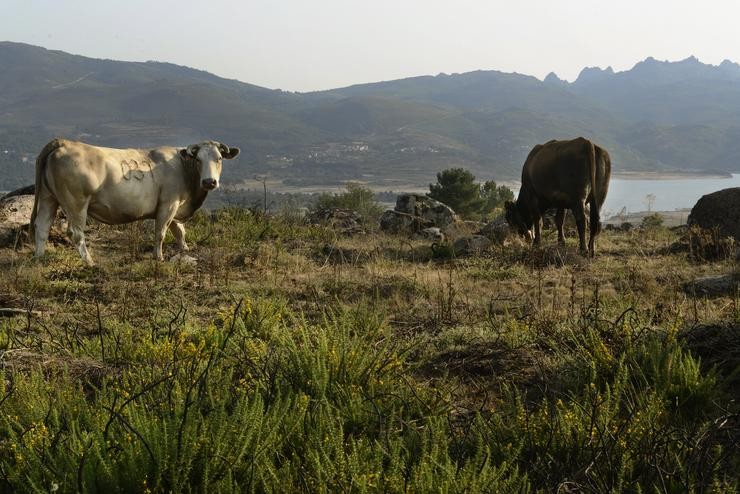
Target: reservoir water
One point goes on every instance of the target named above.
(669, 194)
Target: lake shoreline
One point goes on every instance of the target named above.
(671, 175)
(673, 218)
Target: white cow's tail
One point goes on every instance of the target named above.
(40, 169)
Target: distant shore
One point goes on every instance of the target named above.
(670, 175)
(670, 218)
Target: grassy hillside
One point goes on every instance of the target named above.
(293, 359)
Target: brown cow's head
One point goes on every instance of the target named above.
(516, 219)
(209, 155)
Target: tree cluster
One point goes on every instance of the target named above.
(457, 188)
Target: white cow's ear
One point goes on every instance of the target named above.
(228, 153)
(191, 151)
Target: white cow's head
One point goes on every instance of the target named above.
(208, 156)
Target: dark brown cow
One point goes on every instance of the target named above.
(562, 175)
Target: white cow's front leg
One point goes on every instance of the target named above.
(165, 214)
(178, 231)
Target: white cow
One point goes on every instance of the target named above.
(118, 186)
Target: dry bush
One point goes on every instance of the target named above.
(703, 245)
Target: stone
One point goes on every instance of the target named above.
(431, 210)
(347, 221)
(184, 259)
(28, 190)
(396, 222)
(471, 245)
(719, 210)
(15, 215)
(713, 286)
(462, 229)
(434, 234)
(497, 230)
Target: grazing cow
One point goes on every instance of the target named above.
(117, 186)
(562, 175)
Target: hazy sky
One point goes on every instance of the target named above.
(303, 45)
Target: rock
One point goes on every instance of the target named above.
(462, 229)
(395, 222)
(470, 245)
(415, 212)
(726, 284)
(497, 230)
(437, 213)
(28, 190)
(15, 214)
(347, 221)
(184, 259)
(719, 210)
(434, 234)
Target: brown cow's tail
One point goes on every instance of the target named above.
(40, 169)
(603, 174)
(594, 205)
(601, 170)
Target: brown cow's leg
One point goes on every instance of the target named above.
(580, 215)
(537, 230)
(165, 214)
(559, 218)
(47, 211)
(178, 231)
(594, 227)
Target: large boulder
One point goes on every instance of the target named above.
(15, 214)
(726, 284)
(719, 210)
(471, 245)
(393, 221)
(433, 211)
(347, 221)
(497, 230)
(434, 234)
(414, 213)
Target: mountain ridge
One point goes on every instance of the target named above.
(657, 115)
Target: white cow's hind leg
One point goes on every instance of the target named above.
(178, 230)
(165, 214)
(47, 211)
(77, 234)
(76, 229)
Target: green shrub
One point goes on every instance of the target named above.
(357, 198)
(652, 221)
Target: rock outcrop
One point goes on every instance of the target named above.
(719, 210)
(346, 221)
(15, 214)
(414, 213)
(497, 230)
(471, 245)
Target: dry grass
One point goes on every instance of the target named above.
(424, 299)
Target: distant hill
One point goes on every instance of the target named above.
(658, 115)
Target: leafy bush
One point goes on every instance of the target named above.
(652, 221)
(457, 188)
(357, 198)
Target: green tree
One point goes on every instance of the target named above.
(494, 196)
(456, 187)
(357, 198)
